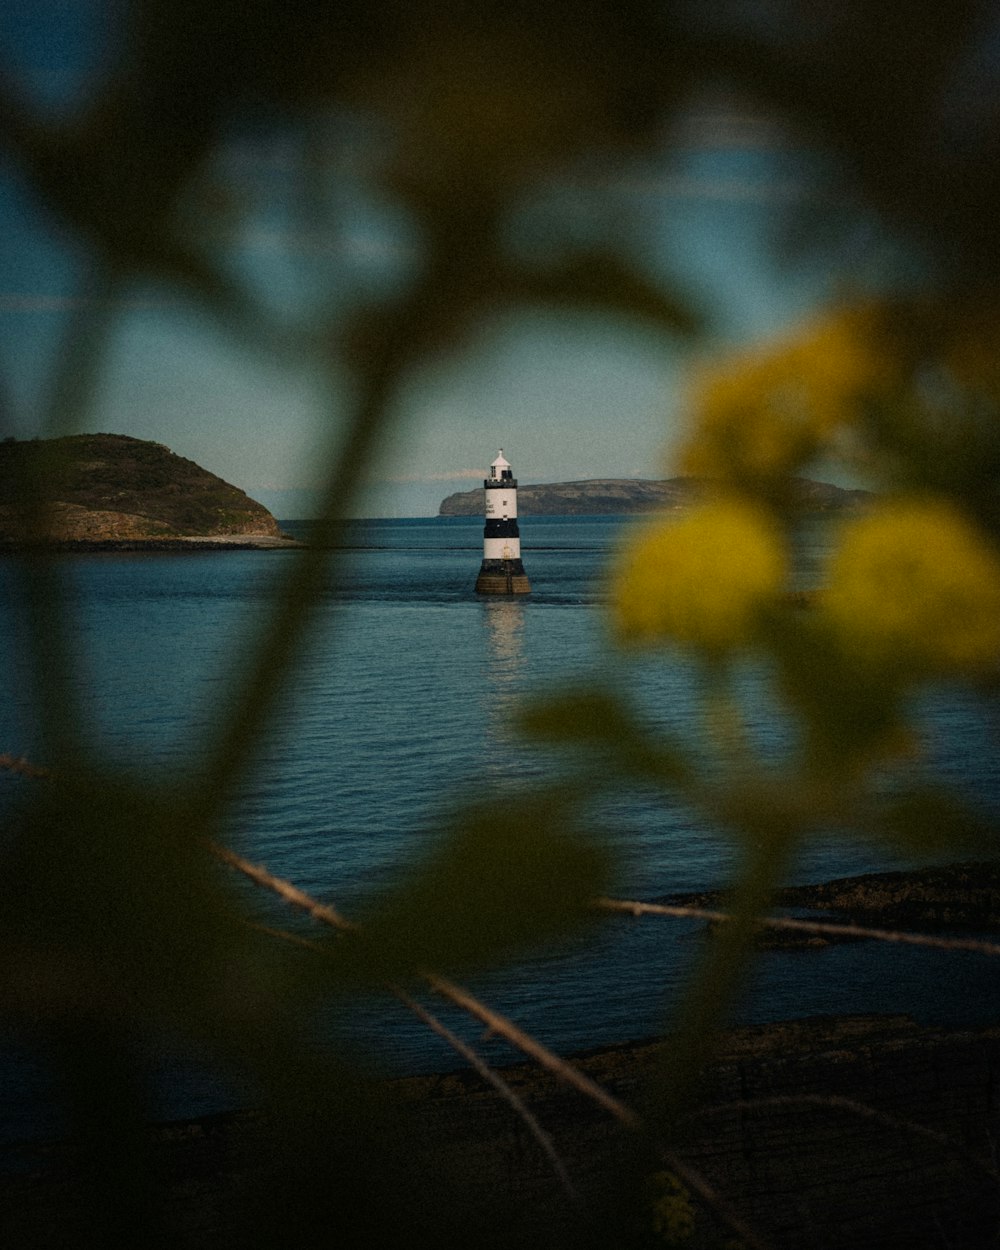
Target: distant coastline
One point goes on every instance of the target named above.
(612, 496)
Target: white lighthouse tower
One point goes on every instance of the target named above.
(502, 572)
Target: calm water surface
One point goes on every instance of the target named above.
(400, 709)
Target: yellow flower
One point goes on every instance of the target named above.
(916, 583)
(766, 414)
(672, 1212)
(699, 580)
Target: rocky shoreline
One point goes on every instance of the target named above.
(234, 542)
(961, 898)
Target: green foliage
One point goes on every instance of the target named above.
(115, 923)
(513, 875)
(599, 727)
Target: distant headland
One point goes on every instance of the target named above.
(112, 492)
(602, 496)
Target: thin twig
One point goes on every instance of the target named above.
(499, 1024)
(633, 908)
(566, 1072)
(495, 1022)
(18, 764)
(472, 1057)
(258, 874)
(501, 1086)
(705, 1190)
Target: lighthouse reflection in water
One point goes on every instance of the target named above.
(505, 661)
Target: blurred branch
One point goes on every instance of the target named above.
(492, 1077)
(259, 875)
(46, 602)
(495, 1022)
(705, 1190)
(24, 767)
(801, 926)
(505, 1028)
(890, 95)
(464, 1051)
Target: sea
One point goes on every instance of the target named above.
(402, 707)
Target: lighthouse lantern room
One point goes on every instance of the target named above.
(502, 572)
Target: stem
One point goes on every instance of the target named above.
(270, 668)
(705, 1006)
(43, 593)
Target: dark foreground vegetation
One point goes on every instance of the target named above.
(860, 1132)
(867, 1132)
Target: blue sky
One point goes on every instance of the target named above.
(567, 397)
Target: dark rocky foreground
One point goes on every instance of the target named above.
(849, 1133)
(896, 1152)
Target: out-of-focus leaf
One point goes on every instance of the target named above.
(873, 86)
(851, 716)
(511, 91)
(112, 907)
(605, 282)
(600, 721)
(468, 279)
(932, 820)
(513, 874)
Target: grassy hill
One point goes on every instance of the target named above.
(109, 488)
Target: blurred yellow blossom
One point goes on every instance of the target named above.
(673, 1214)
(916, 583)
(765, 414)
(701, 579)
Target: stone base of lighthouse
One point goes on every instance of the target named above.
(502, 577)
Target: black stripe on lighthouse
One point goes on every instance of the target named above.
(507, 528)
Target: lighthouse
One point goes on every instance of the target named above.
(502, 572)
